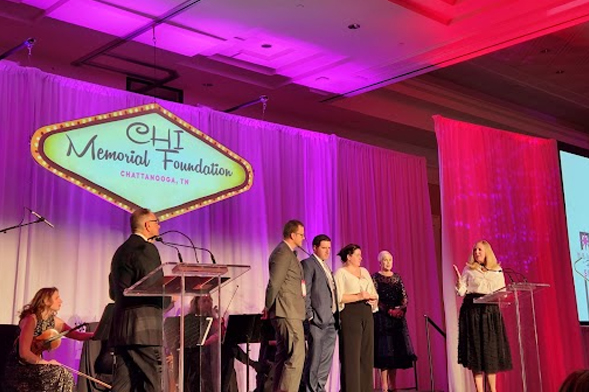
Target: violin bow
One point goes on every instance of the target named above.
(227, 309)
(230, 300)
(97, 381)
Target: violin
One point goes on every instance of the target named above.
(50, 339)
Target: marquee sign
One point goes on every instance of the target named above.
(142, 157)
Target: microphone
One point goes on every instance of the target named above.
(209, 252)
(515, 273)
(181, 245)
(194, 247)
(41, 219)
(304, 250)
(159, 239)
(505, 272)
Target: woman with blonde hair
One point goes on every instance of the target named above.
(482, 342)
(26, 370)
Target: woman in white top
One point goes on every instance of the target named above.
(357, 300)
(482, 341)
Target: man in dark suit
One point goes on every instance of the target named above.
(321, 313)
(285, 306)
(136, 331)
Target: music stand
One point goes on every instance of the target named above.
(196, 331)
(103, 330)
(97, 358)
(244, 328)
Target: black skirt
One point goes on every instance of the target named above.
(482, 341)
(392, 345)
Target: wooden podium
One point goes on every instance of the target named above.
(517, 303)
(188, 331)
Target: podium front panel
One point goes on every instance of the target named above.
(518, 304)
(191, 327)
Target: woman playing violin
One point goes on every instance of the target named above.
(26, 369)
(201, 361)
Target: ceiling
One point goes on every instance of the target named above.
(318, 61)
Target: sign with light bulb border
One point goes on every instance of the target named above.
(143, 156)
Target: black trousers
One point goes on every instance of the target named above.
(356, 348)
(137, 369)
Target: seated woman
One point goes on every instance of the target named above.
(26, 370)
(201, 360)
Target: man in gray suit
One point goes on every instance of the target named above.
(285, 306)
(136, 329)
(321, 313)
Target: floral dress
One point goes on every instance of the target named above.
(25, 377)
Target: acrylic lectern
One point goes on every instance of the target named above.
(518, 307)
(192, 343)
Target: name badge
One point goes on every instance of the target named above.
(304, 288)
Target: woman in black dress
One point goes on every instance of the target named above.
(27, 371)
(482, 342)
(392, 346)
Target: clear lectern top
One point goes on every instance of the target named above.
(198, 279)
(508, 294)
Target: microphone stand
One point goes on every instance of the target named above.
(304, 250)
(193, 247)
(177, 250)
(173, 244)
(7, 229)
(509, 271)
(20, 225)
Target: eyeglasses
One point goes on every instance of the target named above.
(154, 220)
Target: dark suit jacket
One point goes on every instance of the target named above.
(319, 297)
(284, 296)
(136, 320)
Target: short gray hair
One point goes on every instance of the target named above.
(383, 253)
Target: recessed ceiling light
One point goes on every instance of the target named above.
(266, 46)
(354, 26)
